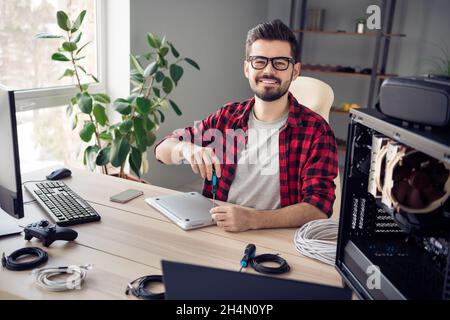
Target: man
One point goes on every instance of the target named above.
(288, 186)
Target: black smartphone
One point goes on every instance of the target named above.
(126, 196)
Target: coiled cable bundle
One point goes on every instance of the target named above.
(140, 291)
(78, 274)
(11, 262)
(317, 239)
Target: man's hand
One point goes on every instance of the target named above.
(201, 159)
(233, 217)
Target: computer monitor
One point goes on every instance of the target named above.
(11, 200)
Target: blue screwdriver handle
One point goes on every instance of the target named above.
(214, 181)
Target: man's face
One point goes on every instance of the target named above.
(268, 83)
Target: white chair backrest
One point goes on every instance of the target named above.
(317, 96)
(314, 94)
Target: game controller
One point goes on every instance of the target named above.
(48, 233)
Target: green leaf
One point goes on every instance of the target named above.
(82, 47)
(119, 151)
(174, 51)
(136, 76)
(122, 106)
(143, 105)
(176, 72)
(139, 133)
(99, 112)
(161, 61)
(46, 35)
(59, 57)
(125, 126)
(135, 161)
(80, 58)
(159, 76)
(175, 107)
(151, 138)
(81, 68)
(90, 155)
(163, 51)
(69, 46)
(149, 124)
(67, 73)
(103, 156)
(102, 98)
(192, 63)
(78, 21)
(63, 20)
(162, 115)
(167, 85)
(151, 69)
(84, 87)
(93, 77)
(87, 131)
(137, 64)
(105, 135)
(157, 92)
(163, 40)
(74, 122)
(153, 40)
(73, 100)
(84, 101)
(78, 37)
(69, 110)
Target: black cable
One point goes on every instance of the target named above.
(140, 292)
(257, 264)
(10, 262)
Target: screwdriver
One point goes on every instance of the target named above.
(249, 254)
(214, 187)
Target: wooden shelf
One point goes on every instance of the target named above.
(350, 74)
(344, 33)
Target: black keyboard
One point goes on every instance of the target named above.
(62, 204)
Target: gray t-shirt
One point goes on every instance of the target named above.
(257, 180)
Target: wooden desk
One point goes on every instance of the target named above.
(131, 240)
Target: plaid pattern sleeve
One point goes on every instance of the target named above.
(319, 172)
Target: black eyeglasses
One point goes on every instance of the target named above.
(279, 63)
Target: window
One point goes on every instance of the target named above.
(45, 135)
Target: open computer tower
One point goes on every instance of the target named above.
(394, 233)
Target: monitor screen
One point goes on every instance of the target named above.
(10, 180)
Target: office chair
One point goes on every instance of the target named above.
(317, 96)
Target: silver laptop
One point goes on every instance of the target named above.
(188, 210)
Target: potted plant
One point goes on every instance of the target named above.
(360, 25)
(153, 78)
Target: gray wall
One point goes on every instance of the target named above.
(212, 32)
(425, 22)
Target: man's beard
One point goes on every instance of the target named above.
(270, 94)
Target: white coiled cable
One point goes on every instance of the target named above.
(78, 274)
(317, 239)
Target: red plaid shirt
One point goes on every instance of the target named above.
(307, 152)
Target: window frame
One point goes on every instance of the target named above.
(32, 99)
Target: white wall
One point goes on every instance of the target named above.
(117, 44)
(212, 32)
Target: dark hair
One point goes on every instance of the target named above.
(272, 30)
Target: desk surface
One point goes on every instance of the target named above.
(131, 240)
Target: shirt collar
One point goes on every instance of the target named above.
(294, 119)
